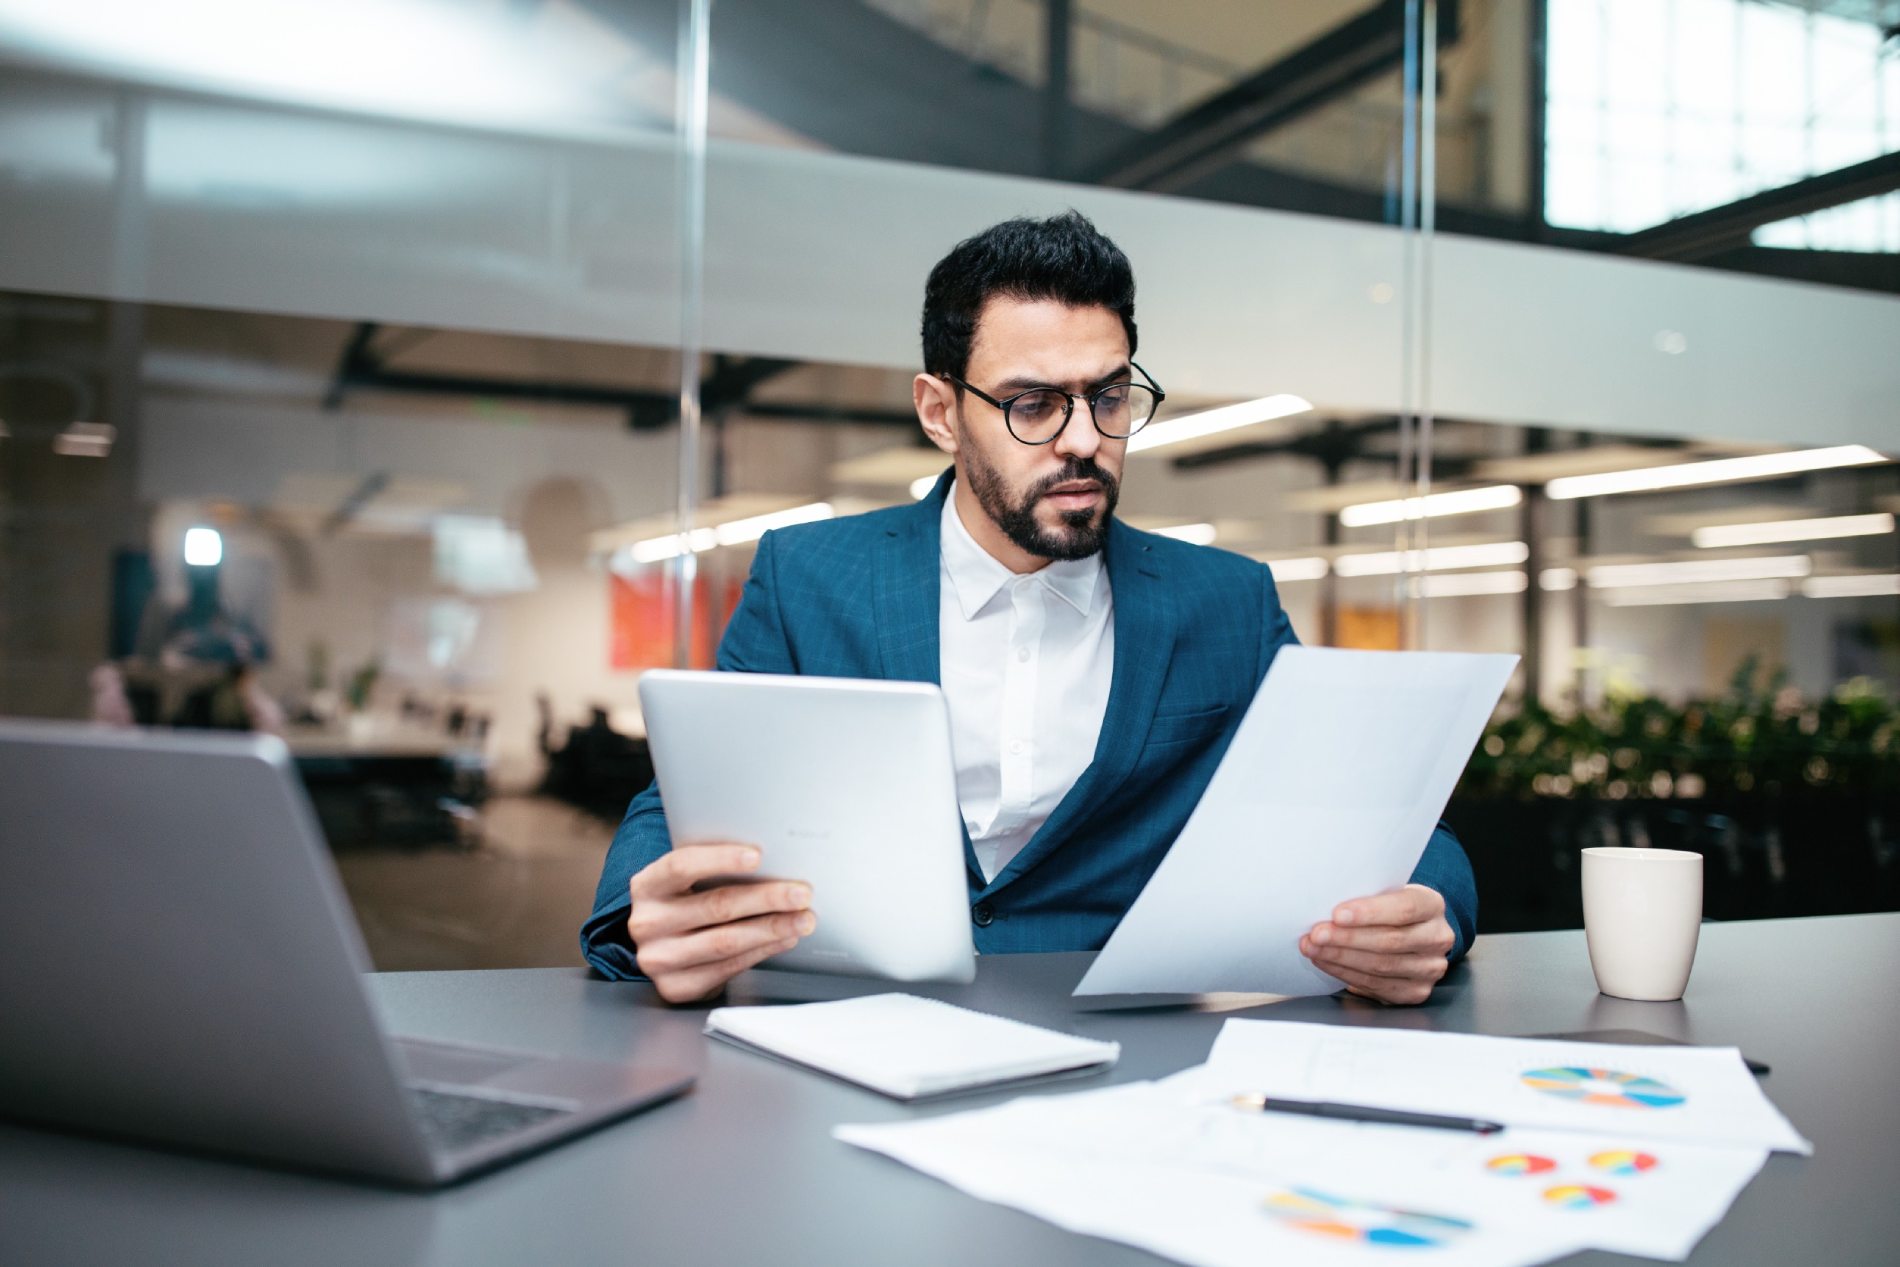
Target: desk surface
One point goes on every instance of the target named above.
(744, 1170)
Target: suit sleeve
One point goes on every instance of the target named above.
(754, 642)
(1443, 866)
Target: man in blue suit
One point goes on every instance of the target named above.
(1094, 674)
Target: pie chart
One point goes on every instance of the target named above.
(1623, 1161)
(1365, 1222)
(1608, 1088)
(1578, 1196)
(1520, 1164)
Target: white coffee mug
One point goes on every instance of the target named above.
(1642, 911)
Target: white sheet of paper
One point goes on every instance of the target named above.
(906, 1046)
(1701, 1095)
(1131, 1164)
(1630, 1196)
(1329, 791)
(1173, 1168)
(1614, 1191)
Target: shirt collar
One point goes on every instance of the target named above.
(977, 576)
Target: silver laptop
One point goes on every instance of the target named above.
(848, 785)
(178, 964)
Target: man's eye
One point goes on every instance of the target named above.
(1037, 408)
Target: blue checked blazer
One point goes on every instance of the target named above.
(1195, 629)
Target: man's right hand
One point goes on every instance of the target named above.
(691, 943)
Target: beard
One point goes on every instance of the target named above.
(1077, 534)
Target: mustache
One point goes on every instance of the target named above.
(1076, 469)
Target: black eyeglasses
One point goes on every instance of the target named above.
(1040, 414)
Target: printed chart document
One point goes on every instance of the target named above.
(907, 1047)
(1133, 1164)
(1329, 791)
(1701, 1095)
(1175, 1167)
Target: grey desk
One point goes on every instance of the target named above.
(743, 1170)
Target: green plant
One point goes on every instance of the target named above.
(362, 683)
(1759, 738)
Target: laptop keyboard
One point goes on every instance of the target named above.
(461, 1121)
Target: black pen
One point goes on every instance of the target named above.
(1364, 1113)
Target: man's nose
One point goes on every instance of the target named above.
(1079, 438)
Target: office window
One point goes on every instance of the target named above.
(1660, 108)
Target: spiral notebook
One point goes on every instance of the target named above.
(908, 1047)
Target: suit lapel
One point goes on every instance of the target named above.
(1144, 644)
(906, 598)
(905, 586)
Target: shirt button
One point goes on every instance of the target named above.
(1023, 655)
(983, 914)
(1016, 747)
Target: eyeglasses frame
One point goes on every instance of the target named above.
(1068, 404)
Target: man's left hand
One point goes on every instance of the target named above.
(1392, 947)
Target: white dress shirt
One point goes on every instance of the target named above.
(1026, 667)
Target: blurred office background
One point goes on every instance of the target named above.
(404, 377)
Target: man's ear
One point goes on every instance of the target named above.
(936, 403)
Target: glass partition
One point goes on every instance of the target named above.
(1694, 545)
(336, 343)
(409, 377)
(898, 128)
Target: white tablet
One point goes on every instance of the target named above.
(848, 785)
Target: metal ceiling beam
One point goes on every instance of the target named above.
(354, 353)
(734, 377)
(1728, 227)
(367, 491)
(832, 413)
(1332, 444)
(727, 389)
(1058, 41)
(1207, 136)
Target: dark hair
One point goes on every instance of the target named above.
(1064, 258)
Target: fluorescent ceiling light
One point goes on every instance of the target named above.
(1720, 471)
(660, 549)
(1755, 534)
(921, 486)
(1193, 534)
(204, 548)
(734, 532)
(1308, 568)
(1463, 501)
(751, 529)
(1557, 579)
(85, 440)
(1211, 421)
(1864, 586)
(1712, 592)
(1435, 559)
(1467, 584)
(1695, 571)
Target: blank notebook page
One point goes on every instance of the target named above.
(906, 1046)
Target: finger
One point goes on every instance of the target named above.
(708, 979)
(656, 918)
(1383, 989)
(679, 869)
(1410, 905)
(667, 955)
(1433, 937)
(1401, 967)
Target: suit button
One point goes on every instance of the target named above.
(984, 914)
